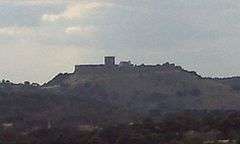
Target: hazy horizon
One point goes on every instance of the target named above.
(39, 39)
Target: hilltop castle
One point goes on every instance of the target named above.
(124, 66)
(109, 68)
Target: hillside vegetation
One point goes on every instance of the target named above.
(169, 88)
(116, 97)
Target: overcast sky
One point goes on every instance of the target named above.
(40, 38)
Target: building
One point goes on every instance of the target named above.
(7, 125)
(125, 64)
(109, 61)
(110, 66)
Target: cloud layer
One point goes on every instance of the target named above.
(74, 10)
(14, 31)
(56, 34)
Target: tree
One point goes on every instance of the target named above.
(3, 81)
(27, 83)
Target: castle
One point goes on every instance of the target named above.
(110, 66)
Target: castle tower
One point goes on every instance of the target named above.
(109, 60)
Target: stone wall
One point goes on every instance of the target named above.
(96, 69)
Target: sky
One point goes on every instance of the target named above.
(41, 38)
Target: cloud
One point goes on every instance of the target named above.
(73, 11)
(188, 32)
(33, 2)
(88, 30)
(15, 31)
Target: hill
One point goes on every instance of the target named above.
(116, 94)
(29, 107)
(151, 90)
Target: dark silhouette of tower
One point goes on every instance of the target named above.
(109, 60)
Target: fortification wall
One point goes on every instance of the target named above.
(96, 69)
